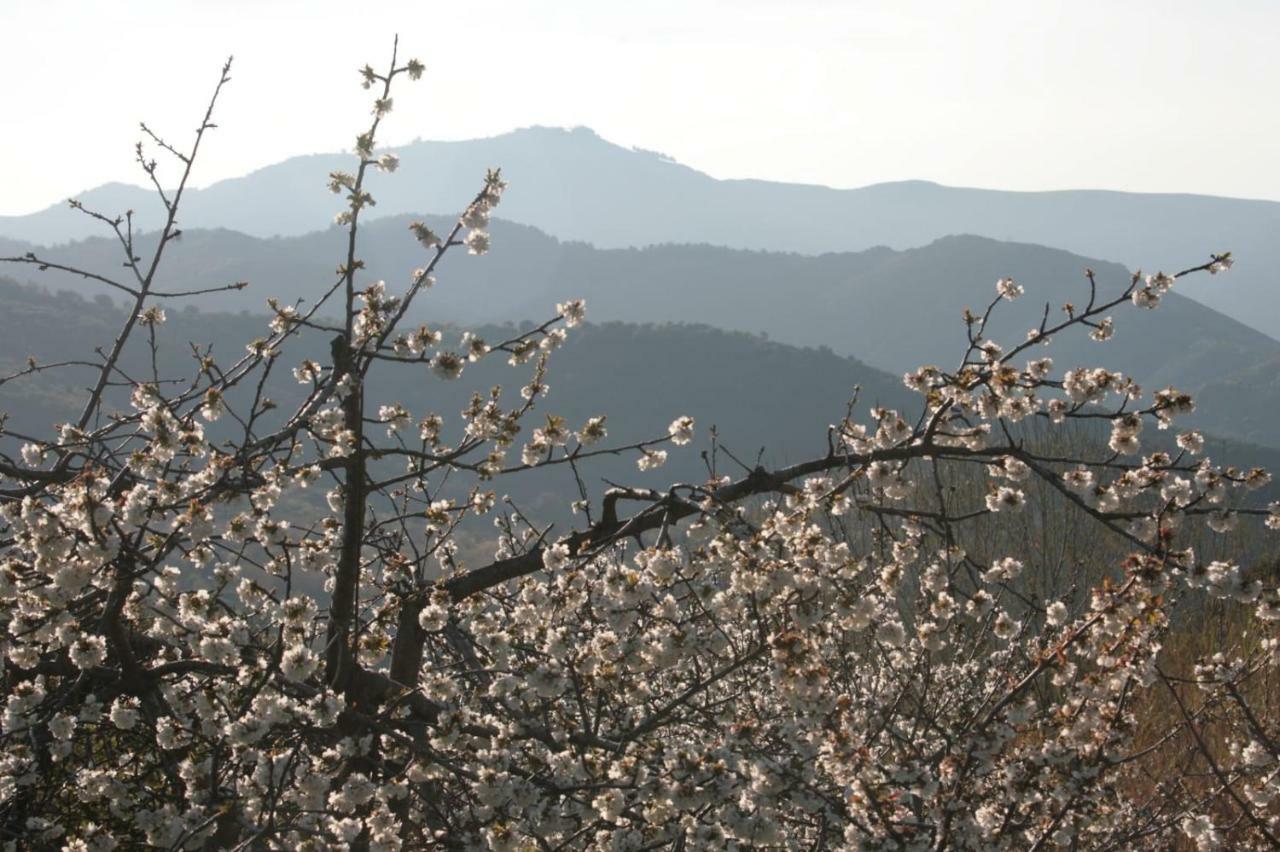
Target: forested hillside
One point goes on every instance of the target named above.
(892, 309)
(576, 186)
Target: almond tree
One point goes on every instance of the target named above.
(818, 656)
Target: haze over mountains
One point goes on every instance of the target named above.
(577, 186)
(893, 310)
(880, 274)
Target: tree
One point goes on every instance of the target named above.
(201, 652)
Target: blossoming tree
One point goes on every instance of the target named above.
(812, 657)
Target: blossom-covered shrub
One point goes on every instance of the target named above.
(229, 623)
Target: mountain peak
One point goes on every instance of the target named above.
(580, 187)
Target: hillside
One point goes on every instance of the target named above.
(762, 396)
(769, 401)
(577, 186)
(891, 309)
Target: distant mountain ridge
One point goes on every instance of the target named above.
(769, 401)
(577, 186)
(640, 375)
(894, 310)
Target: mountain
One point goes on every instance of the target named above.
(894, 310)
(579, 187)
(762, 396)
(768, 401)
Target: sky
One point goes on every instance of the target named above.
(1135, 95)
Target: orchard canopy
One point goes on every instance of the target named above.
(250, 600)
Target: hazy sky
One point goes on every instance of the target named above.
(1161, 96)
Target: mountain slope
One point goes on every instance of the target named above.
(577, 186)
(895, 310)
(761, 395)
(767, 400)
